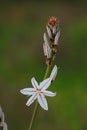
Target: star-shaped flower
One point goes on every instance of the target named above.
(38, 92)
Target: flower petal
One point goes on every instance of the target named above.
(31, 99)
(28, 91)
(49, 93)
(42, 101)
(45, 84)
(34, 83)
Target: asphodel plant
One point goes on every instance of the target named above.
(39, 91)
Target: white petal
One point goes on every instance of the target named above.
(57, 38)
(49, 93)
(45, 84)
(31, 99)
(34, 83)
(28, 91)
(46, 40)
(49, 32)
(42, 101)
(53, 73)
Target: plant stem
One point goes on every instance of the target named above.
(46, 73)
(33, 116)
(36, 105)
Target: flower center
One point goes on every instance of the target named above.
(38, 90)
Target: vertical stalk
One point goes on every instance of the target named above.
(46, 73)
(36, 105)
(33, 116)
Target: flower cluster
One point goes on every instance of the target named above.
(39, 90)
(51, 38)
(3, 124)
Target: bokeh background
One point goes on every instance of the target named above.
(22, 24)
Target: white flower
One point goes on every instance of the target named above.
(38, 92)
(53, 73)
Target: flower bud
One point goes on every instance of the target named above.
(54, 30)
(49, 32)
(57, 38)
(47, 50)
(45, 38)
(53, 73)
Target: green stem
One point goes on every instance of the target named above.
(36, 105)
(46, 73)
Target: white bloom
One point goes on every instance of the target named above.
(53, 73)
(57, 38)
(47, 50)
(38, 92)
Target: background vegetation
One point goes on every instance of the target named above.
(22, 25)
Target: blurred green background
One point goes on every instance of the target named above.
(22, 25)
